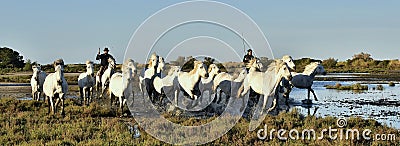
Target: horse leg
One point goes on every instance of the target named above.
(209, 94)
(33, 95)
(245, 87)
(286, 95)
(312, 91)
(274, 105)
(55, 105)
(220, 96)
(90, 94)
(50, 103)
(111, 99)
(85, 95)
(62, 106)
(81, 94)
(141, 89)
(38, 96)
(121, 104)
(308, 91)
(176, 97)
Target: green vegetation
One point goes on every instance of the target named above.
(27, 123)
(360, 63)
(339, 86)
(379, 87)
(392, 84)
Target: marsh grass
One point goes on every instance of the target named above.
(339, 86)
(27, 123)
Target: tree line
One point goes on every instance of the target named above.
(12, 61)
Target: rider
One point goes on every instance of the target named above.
(103, 60)
(247, 58)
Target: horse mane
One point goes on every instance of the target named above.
(196, 63)
(310, 67)
(275, 65)
(209, 68)
(88, 62)
(161, 59)
(128, 60)
(58, 61)
(250, 63)
(126, 64)
(153, 56)
(172, 70)
(286, 57)
(111, 60)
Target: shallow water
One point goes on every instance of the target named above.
(339, 103)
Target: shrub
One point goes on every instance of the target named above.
(356, 86)
(392, 84)
(379, 87)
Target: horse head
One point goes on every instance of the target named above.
(153, 61)
(213, 70)
(314, 68)
(59, 74)
(129, 66)
(58, 62)
(320, 69)
(89, 68)
(161, 63)
(174, 70)
(283, 70)
(289, 61)
(254, 64)
(36, 70)
(200, 69)
(111, 63)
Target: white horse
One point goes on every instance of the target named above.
(265, 83)
(284, 84)
(188, 80)
(37, 81)
(305, 80)
(166, 81)
(148, 80)
(148, 72)
(55, 87)
(86, 83)
(121, 83)
(105, 78)
(224, 82)
(207, 84)
(289, 61)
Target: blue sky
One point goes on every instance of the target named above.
(44, 30)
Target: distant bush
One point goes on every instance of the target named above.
(356, 86)
(392, 84)
(379, 87)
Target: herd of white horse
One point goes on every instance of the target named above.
(277, 81)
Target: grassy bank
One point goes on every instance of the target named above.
(27, 123)
(356, 86)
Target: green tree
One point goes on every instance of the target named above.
(363, 56)
(10, 58)
(329, 63)
(28, 65)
